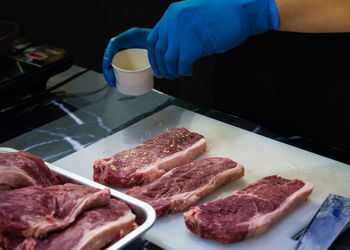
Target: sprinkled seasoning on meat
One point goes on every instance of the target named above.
(150, 159)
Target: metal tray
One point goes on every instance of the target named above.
(145, 214)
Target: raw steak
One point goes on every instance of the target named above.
(35, 211)
(247, 212)
(21, 169)
(10, 241)
(184, 185)
(150, 159)
(92, 230)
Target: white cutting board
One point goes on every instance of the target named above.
(259, 155)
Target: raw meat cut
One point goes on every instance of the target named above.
(248, 211)
(35, 210)
(150, 159)
(184, 185)
(9, 241)
(21, 169)
(92, 230)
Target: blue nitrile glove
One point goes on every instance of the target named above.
(195, 28)
(132, 38)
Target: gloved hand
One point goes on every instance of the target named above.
(132, 38)
(195, 28)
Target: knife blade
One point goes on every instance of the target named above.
(331, 219)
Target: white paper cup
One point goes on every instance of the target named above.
(133, 72)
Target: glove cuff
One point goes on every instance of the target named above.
(262, 15)
(273, 17)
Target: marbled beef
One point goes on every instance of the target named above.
(35, 210)
(184, 185)
(92, 230)
(21, 169)
(150, 159)
(247, 212)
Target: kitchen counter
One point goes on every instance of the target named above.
(78, 114)
(85, 110)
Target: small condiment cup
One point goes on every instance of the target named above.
(133, 72)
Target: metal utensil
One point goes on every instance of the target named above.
(331, 219)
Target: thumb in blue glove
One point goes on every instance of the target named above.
(195, 28)
(132, 38)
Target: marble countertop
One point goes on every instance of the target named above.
(85, 111)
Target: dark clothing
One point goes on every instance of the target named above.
(298, 83)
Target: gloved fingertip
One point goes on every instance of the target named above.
(112, 84)
(109, 76)
(111, 81)
(159, 76)
(167, 75)
(156, 71)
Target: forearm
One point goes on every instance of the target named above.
(314, 16)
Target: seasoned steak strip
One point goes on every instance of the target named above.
(92, 230)
(247, 212)
(35, 211)
(184, 185)
(150, 159)
(21, 169)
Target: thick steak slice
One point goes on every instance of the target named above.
(21, 169)
(247, 212)
(92, 230)
(150, 159)
(184, 185)
(35, 211)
